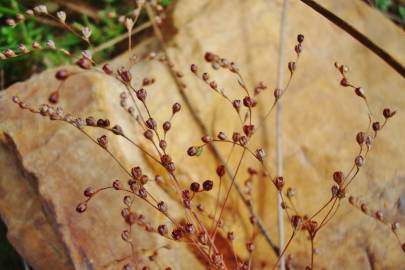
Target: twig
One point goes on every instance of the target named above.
(380, 52)
(120, 38)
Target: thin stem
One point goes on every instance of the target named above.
(284, 250)
(279, 142)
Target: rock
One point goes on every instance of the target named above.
(46, 165)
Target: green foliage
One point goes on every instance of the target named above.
(401, 11)
(31, 30)
(383, 5)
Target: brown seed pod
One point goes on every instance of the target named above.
(84, 63)
(220, 170)
(162, 229)
(141, 94)
(194, 68)
(236, 104)
(206, 138)
(192, 151)
(360, 92)
(103, 141)
(338, 177)
(189, 228)
(117, 130)
(176, 107)
(151, 123)
(162, 206)
(124, 74)
(148, 134)
(88, 192)
(136, 172)
(163, 144)
(208, 185)
(81, 207)
(231, 236)
(344, 82)
(54, 97)
(388, 113)
(250, 247)
(116, 184)
(359, 161)
(376, 126)
(166, 126)
(62, 74)
(107, 68)
(361, 137)
(209, 57)
(296, 221)
(260, 154)
(177, 234)
(279, 182)
(300, 38)
(195, 187)
(222, 136)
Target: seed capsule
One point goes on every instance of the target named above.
(141, 94)
(166, 126)
(338, 177)
(359, 161)
(61, 74)
(192, 151)
(300, 38)
(81, 207)
(221, 136)
(279, 182)
(220, 170)
(194, 68)
(208, 185)
(162, 229)
(361, 137)
(162, 206)
(195, 187)
(107, 69)
(148, 134)
(151, 123)
(376, 126)
(206, 138)
(360, 92)
(176, 107)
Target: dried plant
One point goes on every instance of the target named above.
(197, 227)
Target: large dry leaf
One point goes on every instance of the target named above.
(46, 165)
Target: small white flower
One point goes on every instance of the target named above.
(20, 17)
(30, 12)
(129, 24)
(11, 22)
(61, 16)
(51, 44)
(23, 48)
(36, 45)
(41, 9)
(86, 33)
(9, 53)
